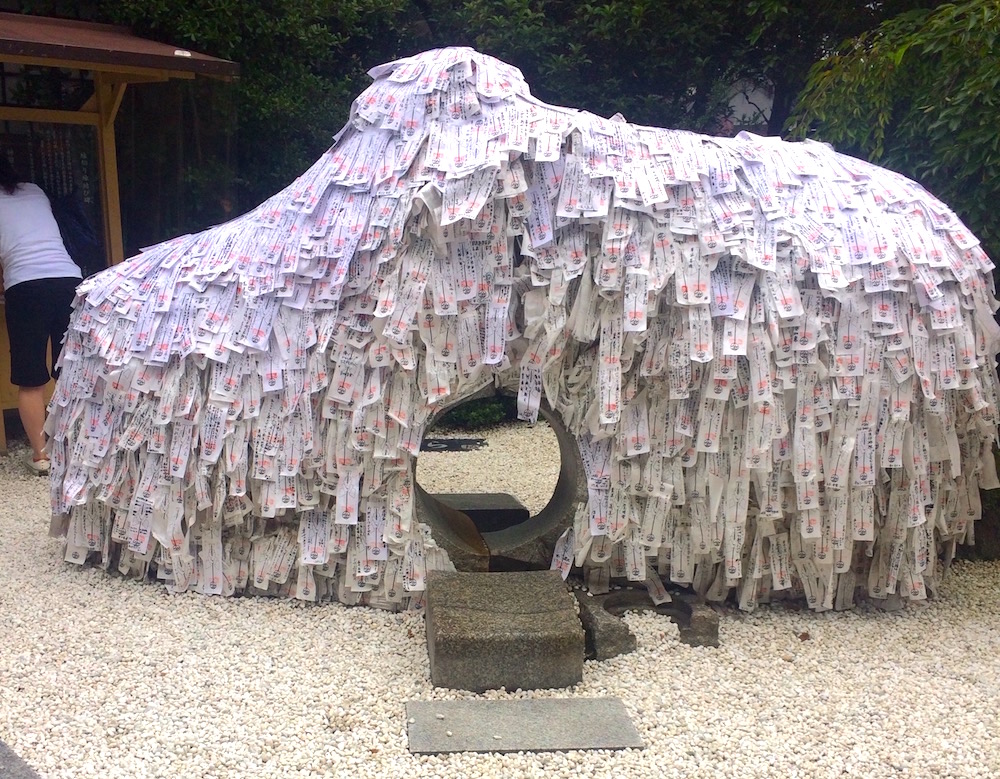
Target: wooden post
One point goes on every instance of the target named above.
(109, 95)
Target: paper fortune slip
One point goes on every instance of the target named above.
(779, 361)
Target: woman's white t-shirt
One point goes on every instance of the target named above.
(30, 244)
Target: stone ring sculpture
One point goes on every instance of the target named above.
(773, 365)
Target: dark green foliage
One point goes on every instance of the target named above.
(481, 413)
(669, 64)
(786, 37)
(919, 95)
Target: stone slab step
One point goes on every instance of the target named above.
(519, 725)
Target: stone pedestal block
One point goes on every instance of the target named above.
(511, 630)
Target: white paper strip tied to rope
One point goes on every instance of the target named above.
(778, 360)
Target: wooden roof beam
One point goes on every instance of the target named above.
(51, 115)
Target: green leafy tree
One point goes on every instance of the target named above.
(674, 64)
(919, 94)
(786, 37)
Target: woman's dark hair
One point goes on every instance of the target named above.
(8, 176)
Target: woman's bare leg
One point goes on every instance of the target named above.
(31, 406)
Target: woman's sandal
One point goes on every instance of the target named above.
(37, 467)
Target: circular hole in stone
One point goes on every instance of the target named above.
(539, 465)
(499, 475)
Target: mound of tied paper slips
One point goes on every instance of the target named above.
(778, 360)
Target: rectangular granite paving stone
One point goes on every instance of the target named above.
(548, 725)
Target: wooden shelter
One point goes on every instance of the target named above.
(114, 58)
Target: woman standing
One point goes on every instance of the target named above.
(40, 282)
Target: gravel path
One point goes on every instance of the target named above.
(112, 678)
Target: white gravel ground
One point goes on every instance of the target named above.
(103, 677)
